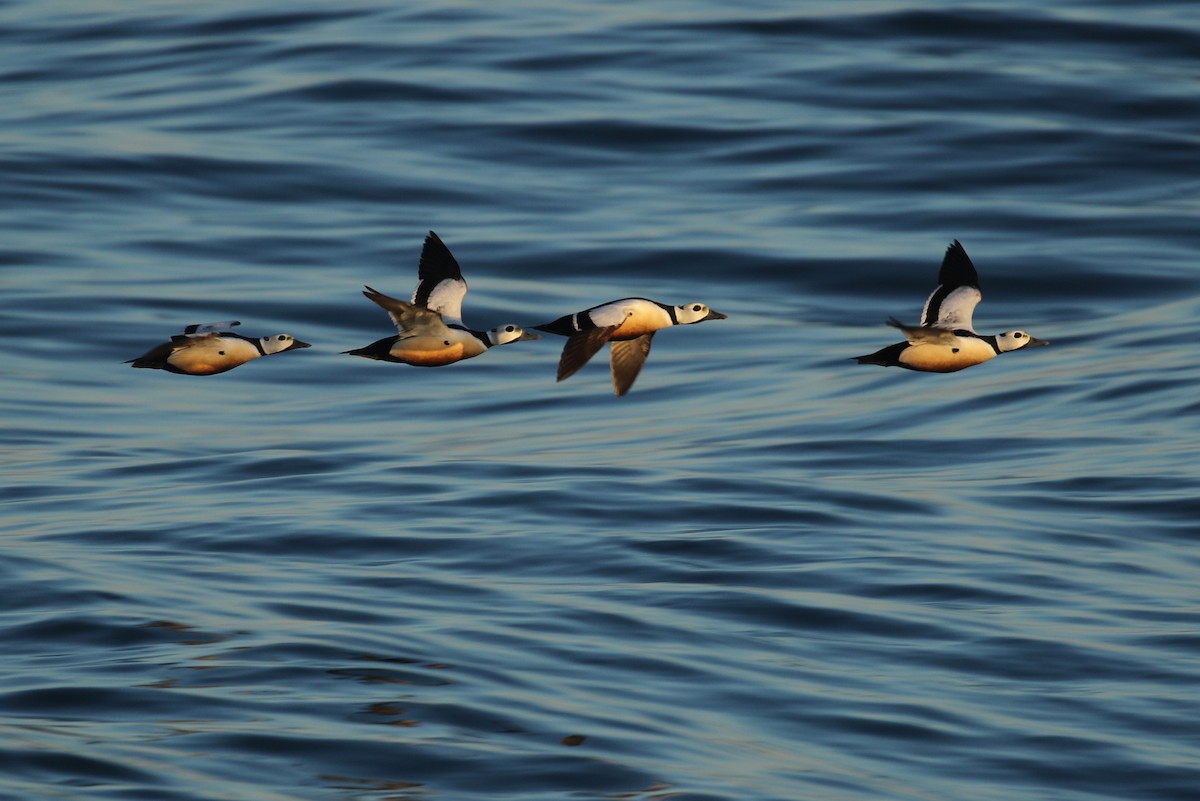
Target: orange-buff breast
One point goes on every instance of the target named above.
(207, 369)
(635, 327)
(430, 356)
(943, 358)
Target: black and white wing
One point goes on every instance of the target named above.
(411, 320)
(441, 286)
(201, 332)
(953, 302)
(210, 328)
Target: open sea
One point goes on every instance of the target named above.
(767, 573)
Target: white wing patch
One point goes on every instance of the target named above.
(445, 298)
(951, 309)
(612, 314)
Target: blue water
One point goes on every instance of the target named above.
(767, 573)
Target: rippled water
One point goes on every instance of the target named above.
(767, 572)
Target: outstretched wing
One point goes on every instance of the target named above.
(410, 320)
(924, 334)
(441, 286)
(628, 356)
(582, 346)
(953, 302)
(210, 328)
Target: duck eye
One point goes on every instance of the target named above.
(510, 328)
(697, 307)
(1018, 335)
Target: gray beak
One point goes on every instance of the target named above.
(298, 344)
(715, 315)
(525, 335)
(1035, 342)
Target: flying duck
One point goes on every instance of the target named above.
(945, 341)
(208, 349)
(627, 325)
(431, 330)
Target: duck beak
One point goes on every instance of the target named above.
(1035, 342)
(298, 344)
(526, 335)
(715, 315)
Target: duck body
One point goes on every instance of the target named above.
(628, 326)
(628, 318)
(935, 351)
(945, 341)
(416, 351)
(430, 329)
(424, 339)
(207, 349)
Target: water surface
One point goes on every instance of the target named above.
(767, 572)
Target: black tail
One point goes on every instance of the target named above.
(380, 350)
(563, 326)
(155, 359)
(887, 357)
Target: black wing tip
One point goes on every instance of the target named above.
(957, 267)
(437, 262)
